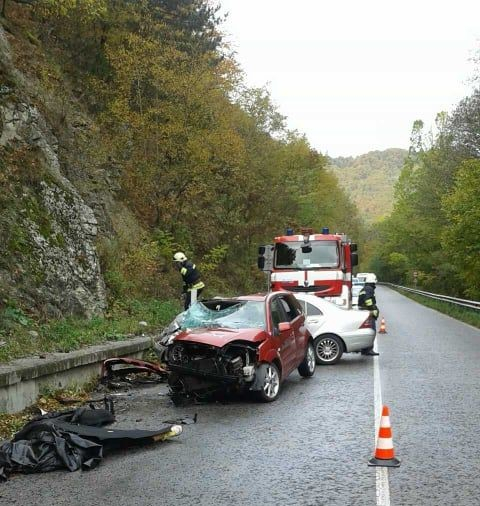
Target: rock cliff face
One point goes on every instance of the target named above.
(47, 231)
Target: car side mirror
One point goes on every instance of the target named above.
(284, 326)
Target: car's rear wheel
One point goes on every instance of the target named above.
(270, 382)
(307, 367)
(328, 349)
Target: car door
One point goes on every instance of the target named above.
(315, 319)
(284, 340)
(295, 315)
(297, 320)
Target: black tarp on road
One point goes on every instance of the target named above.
(68, 440)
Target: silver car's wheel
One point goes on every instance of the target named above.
(328, 349)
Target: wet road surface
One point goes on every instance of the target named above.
(311, 446)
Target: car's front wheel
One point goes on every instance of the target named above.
(328, 349)
(307, 367)
(269, 376)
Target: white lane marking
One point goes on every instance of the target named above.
(382, 486)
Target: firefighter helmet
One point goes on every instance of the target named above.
(370, 278)
(179, 257)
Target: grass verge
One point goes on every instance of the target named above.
(20, 336)
(464, 314)
(55, 400)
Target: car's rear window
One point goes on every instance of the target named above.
(310, 309)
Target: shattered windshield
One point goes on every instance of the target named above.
(245, 314)
(318, 254)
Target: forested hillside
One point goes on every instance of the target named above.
(434, 228)
(127, 132)
(369, 179)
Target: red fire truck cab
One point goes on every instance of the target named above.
(320, 264)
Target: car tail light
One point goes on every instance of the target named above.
(367, 324)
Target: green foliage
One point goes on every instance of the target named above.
(434, 228)
(83, 11)
(73, 333)
(12, 317)
(462, 233)
(369, 180)
(213, 258)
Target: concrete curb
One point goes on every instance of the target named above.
(22, 380)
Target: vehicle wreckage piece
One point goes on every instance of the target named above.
(121, 367)
(52, 442)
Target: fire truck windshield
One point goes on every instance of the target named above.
(321, 254)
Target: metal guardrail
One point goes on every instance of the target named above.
(472, 304)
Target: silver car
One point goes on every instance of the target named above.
(336, 330)
(357, 285)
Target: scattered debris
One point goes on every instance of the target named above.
(121, 371)
(186, 420)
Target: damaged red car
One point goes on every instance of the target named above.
(244, 343)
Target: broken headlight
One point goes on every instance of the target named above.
(177, 354)
(168, 333)
(235, 366)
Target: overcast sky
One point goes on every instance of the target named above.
(353, 75)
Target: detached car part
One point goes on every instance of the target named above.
(121, 367)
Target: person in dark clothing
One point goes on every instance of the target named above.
(366, 300)
(192, 284)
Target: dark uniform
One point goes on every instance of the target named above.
(366, 300)
(191, 281)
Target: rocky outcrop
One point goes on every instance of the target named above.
(58, 229)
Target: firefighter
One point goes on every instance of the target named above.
(192, 285)
(366, 300)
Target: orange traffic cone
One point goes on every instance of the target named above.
(383, 329)
(384, 453)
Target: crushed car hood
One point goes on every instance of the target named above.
(221, 336)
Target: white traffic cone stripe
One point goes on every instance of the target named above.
(385, 422)
(384, 443)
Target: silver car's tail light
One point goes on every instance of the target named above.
(367, 324)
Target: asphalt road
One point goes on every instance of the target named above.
(311, 446)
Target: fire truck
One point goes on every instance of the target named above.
(320, 264)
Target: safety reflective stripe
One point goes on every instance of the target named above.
(197, 286)
(183, 271)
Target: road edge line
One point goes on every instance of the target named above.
(382, 485)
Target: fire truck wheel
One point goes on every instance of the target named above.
(328, 349)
